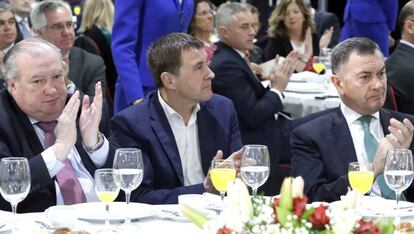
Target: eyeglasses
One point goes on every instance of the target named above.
(207, 12)
(60, 27)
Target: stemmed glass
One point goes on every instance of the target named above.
(222, 173)
(317, 64)
(14, 181)
(361, 178)
(107, 190)
(255, 166)
(398, 173)
(130, 171)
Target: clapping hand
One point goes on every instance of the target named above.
(326, 38)
(281, 72)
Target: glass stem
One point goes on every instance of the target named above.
(397, 213)
(222, 201)
(127, 197)
(254, 191)
(14, 211)
(107, 216)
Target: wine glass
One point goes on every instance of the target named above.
(317, 64)
(14, 181)
(325, 57)
(130, 171)
(398, 173)
(222, 173)
(106, 190)
(361, 176)
(255, 166)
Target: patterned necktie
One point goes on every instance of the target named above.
(371, 145)
(69, 184)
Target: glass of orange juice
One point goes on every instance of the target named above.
(317, 64)
(106, 190)
(361, 176)
(222, 173)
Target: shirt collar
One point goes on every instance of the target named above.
(407, 43)
(352, 116)
(240, 53)
(170, 112)
(19, 18)
(5, 50)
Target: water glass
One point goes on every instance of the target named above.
(325, 57)
(398, 173)
(255, 166)
(129, 172)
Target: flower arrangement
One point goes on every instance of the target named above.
(287, 213)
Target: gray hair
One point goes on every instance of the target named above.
(226, 11)
(37, 16)
(34, 47)
(4, 7)
(342, 52)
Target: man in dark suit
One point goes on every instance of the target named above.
(85, 69)
(256, 105)
(180, 126)
(22, 9)
(400, 69)
(37, 122)
(357, 131)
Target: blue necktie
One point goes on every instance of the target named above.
(371, 145)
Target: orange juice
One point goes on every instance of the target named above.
(221, 177)
(318, 67)
(107, 196)
(361, 180)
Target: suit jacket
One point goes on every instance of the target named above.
(18, 139)
(145, 126)
(256, 107)
(372, 11)
(282, 47)
(322, 150)
(133, 32)
(400, 71)
(324, 20)
(85, 70)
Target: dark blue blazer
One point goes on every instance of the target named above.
(256, 107)
(322, 150)
(145, 126)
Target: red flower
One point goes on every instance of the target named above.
(299, 205)
(275, 204)
(224, 230)
(319, 218)
(367, 227)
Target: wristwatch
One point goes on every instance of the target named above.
(91, 149)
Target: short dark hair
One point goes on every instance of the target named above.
(342, 52)
(164, 54)
(406, 12)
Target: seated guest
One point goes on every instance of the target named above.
(180, 126)
(399, 67)
(357, 131)
(8, 34)
(35, 107)
(52, 21)
(291, 27)
(256, 105)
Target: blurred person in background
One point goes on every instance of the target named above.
(291, 27)
(137, 24)
(8, 30)
(202, 25)
(97, 21)
(22, 9)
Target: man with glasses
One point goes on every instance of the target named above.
(53, 21)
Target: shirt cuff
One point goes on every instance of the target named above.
(52, 164)
(99, 156)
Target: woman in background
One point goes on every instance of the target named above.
(97, 21)
(202, 24)
(291, 28)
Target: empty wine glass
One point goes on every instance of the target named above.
(398, 173)
(130, 171)
(222, 173)
(325, 57)
(107, 190)
(255, 166)
(14, 181)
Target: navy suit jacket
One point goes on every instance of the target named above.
(145, 126)
(322, 150)
(18, 139)
(256, 107)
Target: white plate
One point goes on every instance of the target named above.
(305, 87)
(377, 207)
(118, 211)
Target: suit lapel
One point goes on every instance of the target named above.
(385, 121)
(206, 137)
(75, 67)
(165, 135)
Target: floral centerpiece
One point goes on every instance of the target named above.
(287, 213)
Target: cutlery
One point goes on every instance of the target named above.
(326, 96)
(45, 225)
(2, 226)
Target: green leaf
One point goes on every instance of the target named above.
(194, 215)
(385, 225)
(282, 214)
(308, 213)
(286, 200)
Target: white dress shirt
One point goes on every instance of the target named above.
(54, 166)
(186, 137)
(357, 133)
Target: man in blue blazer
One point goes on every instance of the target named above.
(256, 105)
(374, 19)
(179, 127)
(137, 24)
(323, 147)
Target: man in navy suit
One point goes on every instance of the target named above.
(256, 105)
(323, 147)
(179, 127)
